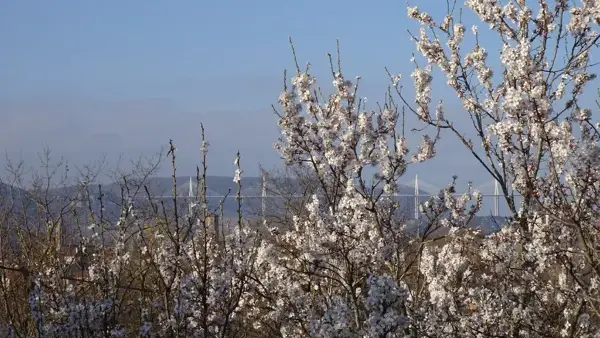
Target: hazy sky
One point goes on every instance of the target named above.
(87, 78)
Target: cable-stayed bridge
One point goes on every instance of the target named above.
(416, 191)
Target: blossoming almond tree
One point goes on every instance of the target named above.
(539, 275)
(348, 268)
(166, 274)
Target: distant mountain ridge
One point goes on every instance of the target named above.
(161, 188)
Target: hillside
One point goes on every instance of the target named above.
(161, 188)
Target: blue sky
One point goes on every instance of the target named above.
(89, 78)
